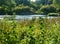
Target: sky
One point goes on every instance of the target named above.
(33, 0)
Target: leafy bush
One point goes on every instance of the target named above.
(48, 9)
(2, 11)
(5, 10)
(53, 14)
(39, 12)
(21, 10)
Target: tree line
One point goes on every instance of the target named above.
(27, 7)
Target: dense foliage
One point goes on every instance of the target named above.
(48, 9)
(34, 31)
(8, 7)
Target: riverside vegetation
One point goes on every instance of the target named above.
(30, 31)
(28, 7)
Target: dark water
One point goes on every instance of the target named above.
(26, 16)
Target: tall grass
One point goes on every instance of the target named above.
(34, 31)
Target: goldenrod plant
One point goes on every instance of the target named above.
(34, 31)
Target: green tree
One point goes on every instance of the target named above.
(7, 2)
(25, 2)
(44, 2)
(22, 9)
(48, 9)
(7, 6)
(56, 3)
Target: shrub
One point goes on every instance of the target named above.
(53, 14)
(2, 11)
(5, 10)
(22, 10)
(48, 9)
(39, 12)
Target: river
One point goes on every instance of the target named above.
(27, 16)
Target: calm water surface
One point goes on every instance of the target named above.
(27, 16)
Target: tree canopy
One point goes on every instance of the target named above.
(9, 6)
